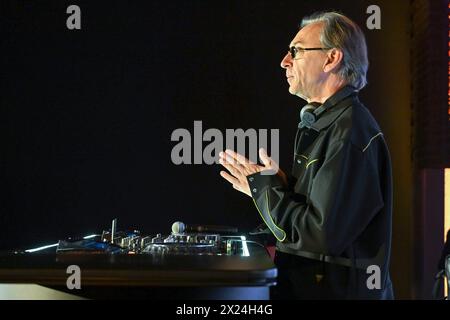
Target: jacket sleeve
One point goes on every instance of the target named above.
(343, 197)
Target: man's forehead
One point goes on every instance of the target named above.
(308, 34)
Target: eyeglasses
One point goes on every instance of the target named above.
(294, 50)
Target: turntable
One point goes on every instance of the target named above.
(183, 240)
(195, 262)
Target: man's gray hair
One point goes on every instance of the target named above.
(342, 33)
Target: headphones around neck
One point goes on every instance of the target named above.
(308, 115)
(311, 112)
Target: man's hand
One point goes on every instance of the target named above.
(240, 167)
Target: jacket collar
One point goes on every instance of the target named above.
(334, 106)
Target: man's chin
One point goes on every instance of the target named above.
(292, 91)
(295, 92)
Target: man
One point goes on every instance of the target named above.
(332, 215)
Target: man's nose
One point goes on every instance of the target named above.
(287, 61)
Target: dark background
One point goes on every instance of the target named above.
(90, 112)
(87, 114)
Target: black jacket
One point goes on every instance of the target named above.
(337, 206)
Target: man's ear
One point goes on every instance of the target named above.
(334, 58)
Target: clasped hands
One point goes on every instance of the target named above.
(239, 167)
